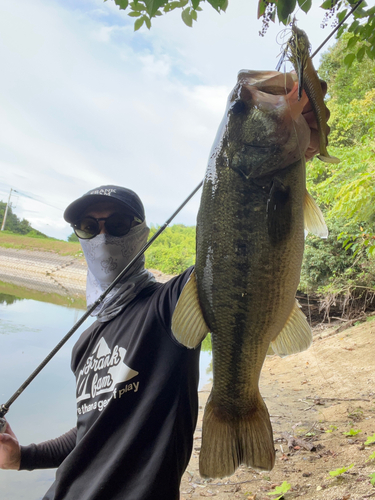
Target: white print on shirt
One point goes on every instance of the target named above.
(103, 370)
(100, 405)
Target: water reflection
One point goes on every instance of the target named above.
(8, 299)
(29, 329)
(78, 301)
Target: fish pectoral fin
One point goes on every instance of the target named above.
(295, 337)
(328, 158)
(314, 220)
(188, 324)
(230, 439)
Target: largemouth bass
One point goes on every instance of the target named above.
(250, 240)
(298, 50)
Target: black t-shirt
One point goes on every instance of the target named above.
(137, 406)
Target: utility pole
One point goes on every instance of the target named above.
(6, 211)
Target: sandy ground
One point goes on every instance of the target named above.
(314, 396)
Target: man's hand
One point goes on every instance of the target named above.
(10, 451)
(309, 116)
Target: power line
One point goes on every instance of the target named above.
(37, 199)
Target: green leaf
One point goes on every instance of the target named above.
(284, 9)
(305, 5)
(186, 17)
(327, 5)
(134, 14)
(372, 476)
(371, 457)
(137, 6)
(122, 4)
(341, 15)
(261, 8)
(195, 3)
(352, 432)
(218, 5)
(280, 490)
(152, 6)
(353, 26)
(370, 440)
(370, 51)
(361, 53)
(348, 60)
(193, 14)
(352, 41)
(148, 22)
(341, 30)
(139, 23)
(338, 472)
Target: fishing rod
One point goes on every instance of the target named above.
(4, 408)
(326, 40)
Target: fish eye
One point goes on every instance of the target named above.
(238, 107)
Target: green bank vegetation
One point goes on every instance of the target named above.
(41, 244)
(344, 264)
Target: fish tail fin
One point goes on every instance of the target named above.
(229, 441)
(328, 159)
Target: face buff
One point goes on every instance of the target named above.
(106, 257)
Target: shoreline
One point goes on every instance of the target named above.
(49, 272)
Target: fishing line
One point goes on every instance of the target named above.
(4, 408)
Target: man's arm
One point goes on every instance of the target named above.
(48, 454)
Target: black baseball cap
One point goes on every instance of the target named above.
(125, 198)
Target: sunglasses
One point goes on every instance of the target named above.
(115, 225)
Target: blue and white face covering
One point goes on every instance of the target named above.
(106, 257)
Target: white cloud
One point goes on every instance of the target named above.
(86, 101)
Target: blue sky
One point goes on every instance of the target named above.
(85, 101)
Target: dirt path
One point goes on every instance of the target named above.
(316, 396)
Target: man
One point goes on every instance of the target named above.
(136, 386)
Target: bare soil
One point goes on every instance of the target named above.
(315, 397)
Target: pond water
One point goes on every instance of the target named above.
(29, 329)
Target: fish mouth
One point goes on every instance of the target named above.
(269, 82)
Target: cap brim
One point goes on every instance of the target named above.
(76, 209)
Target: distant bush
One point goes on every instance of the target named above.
(73, 238)
(173, 251)
(34, 233)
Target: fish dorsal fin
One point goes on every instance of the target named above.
(295, 337)
(188, 324)
(314, 220)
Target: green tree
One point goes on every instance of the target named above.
(345, 263)
(16, 225)
(360, 25)
(73, 238)
(173, 251)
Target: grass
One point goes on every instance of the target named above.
(20, 242)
